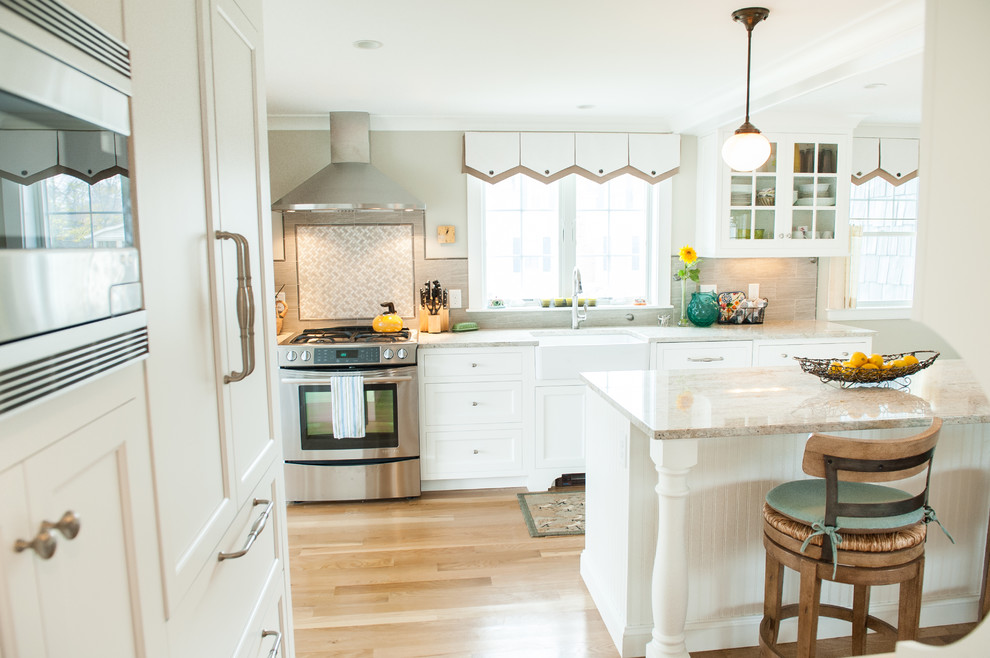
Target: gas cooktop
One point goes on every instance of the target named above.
(340, 347)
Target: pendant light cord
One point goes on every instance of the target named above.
(749, 58)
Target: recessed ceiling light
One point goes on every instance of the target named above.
(585, 107)
(367, 44)
(875, 85)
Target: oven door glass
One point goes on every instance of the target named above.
(380, 413)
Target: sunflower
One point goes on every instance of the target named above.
(688, 254)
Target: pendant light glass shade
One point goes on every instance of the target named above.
(747, 149)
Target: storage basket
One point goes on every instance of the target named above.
(733, 310)
(824, 370)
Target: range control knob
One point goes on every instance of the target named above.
(388, 353)
(402, 353)
(305, 356)
(291, 355)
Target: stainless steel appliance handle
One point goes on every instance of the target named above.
(245, 306)
(278, 642)
(707, 359)
(367, 380)
(256, 529)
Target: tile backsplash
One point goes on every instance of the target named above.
(789, 284)
(346, 271)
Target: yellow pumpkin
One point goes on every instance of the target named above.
(387, 322)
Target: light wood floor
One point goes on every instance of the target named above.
(451, 574)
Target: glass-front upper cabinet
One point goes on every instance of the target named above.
(796, 204)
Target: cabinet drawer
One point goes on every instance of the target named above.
(265, 635)
(700, 356)
(481, 364)
(465, 454)
(473, 403)
(230, 589)
(782, 354)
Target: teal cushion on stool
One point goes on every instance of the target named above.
(804, 500)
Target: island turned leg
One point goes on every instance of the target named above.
(673, 460)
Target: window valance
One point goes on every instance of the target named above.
(495, 156)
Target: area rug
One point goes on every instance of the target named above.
(553, 514)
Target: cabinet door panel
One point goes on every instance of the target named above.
(703, 356)
(89, 589)
(472, 404)
(21, 630)
(235, 84)
(560, 426)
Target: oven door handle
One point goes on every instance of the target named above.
(367, 380)
(245, 306)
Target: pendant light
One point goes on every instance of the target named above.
(748, 148)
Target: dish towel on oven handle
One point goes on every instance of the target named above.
(347, 406)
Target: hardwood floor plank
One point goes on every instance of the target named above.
(453, 575)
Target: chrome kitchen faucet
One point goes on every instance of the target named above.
(577, 317)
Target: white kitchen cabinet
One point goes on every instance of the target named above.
(705, 355)
(559, 437)
(202, 169)
(491, 154)
(99, 593)
(476, 415)
(658, 155)
(601, 153)
(26, 153)
(797, 204)
(547, 154)
(894, 159)
(782, 352)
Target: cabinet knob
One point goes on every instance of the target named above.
(476, 451)
(844, 354)
(474, 365)
(491, 172)
(474, 404)
(653, 173)
(858, 174)
(24, 172)
(898, 174)
(546, 171)
(601, 171)
(68, 525)
(43, 544)
(784, 356)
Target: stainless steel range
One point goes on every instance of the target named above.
(324, 462)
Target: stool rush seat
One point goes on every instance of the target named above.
(845, 526)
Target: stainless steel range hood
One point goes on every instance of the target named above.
(349, 182)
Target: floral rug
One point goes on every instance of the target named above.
(553, 514)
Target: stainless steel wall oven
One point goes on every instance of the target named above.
(320, 463)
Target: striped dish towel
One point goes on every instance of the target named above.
(347, 406)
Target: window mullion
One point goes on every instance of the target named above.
(568, 234)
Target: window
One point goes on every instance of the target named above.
(67, 212)
(879, 273)
(535, 234)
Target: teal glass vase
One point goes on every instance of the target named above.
(703, 309)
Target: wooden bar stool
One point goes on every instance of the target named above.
(842, 527)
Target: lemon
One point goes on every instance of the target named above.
(870, 366)
(898, 363)
(887, 366)
(847, 364)
(909, 359)
(858, 359)
(876, 360)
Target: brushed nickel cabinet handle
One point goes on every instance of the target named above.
(278, 642)
(43, 544)
(706, 359)
(256, 529)
(69, 525)
(245, 306)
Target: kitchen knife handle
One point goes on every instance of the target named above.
(245, 306)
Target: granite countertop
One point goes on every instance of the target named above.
(785, 400)
(768, 331)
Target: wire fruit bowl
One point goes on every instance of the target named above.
(825, 371)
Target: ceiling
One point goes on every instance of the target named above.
(653, 65)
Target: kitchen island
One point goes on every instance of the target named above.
(678, 464)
